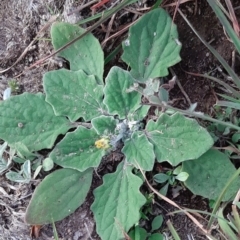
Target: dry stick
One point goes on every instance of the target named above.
(195, 8)
(119, 32)
(181, 87)
(82, 7)
(98, 5)
(89, 234)
(195, 221)
(175, 11)
(94, 26)
(134, 11)
(108, 29)
(229, 148)
(174, 4)
(233, 17)
(50, 21)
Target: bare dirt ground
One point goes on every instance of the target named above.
(20, 23)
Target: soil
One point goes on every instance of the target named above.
(22, 21)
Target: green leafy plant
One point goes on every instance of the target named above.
(103, 114)
(139, 233)
(169, 178)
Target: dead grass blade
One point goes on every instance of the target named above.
(108, 29)
(222, 83)
(233, 17)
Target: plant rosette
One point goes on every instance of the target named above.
(108, 113)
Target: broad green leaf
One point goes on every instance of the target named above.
(47, 164)
(16, 177)
(139, 114)
(157, 222)
(117, 203)
(73, 94)
(138, 233)
(85, 54)
(182, 176)
(177, 170)
(77, 150)
(161, 177)
(29, 120)
(209, 174)
(117, 99)
(139, 151)
(23, 152)
(24, 176)
(177, 138)
(164, 189)
(3, 165)
(152, 46)
(58, 195)
(37, 171)
(156, 236)
(104, 125)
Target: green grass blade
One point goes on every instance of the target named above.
(225, 85)
(228, 104)
(202, 116)
(225, 24)
(173, 231)
(157, 4)
(229, 98)
(227, 230)
(230, 71)
(102, 14)
(94, 17)
(113, 54)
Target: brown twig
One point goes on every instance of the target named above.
(108, 30)
(78, 9)
(233, 17)
(181, 87)
(119, 32)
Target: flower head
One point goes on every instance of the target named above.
(102, 143)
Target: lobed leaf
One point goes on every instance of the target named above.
(117, 99)
(177, 138)
(139, 151)
(77, 150)
(139, 114)
(117, 203)
(73, 94)
(209, 174)
(58, 195)
(28, 120)
(152, 46)
(85, 54)
(104, 125)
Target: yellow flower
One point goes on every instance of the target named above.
(102, 143)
